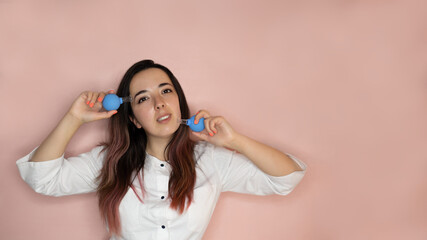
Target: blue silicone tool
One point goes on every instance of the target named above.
(195, 127)
(112, 101)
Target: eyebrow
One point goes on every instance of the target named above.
(144, 91)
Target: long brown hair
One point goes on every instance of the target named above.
(126, 155)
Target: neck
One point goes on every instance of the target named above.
(156, 147)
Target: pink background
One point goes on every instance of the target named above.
(339, 84)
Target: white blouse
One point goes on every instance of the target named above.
(218, 170)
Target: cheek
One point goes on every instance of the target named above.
(143, 114)
(176, 106)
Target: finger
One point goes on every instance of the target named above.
(201, 114)
(194, 138)
(212, 125)
(88, 97)
(111, 113)
(104, 115)
(93, 99)
(85, 96)
(111, 91)
(101, 97)
(200, 135)
(208, 126)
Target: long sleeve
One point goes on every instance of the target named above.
(239, 174)
(61, 176)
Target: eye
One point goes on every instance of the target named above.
(167, 90)
(142, 99)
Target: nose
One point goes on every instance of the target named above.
(159, 104)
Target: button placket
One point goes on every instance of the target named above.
(162, 173)
(162, 232)
(162, 168)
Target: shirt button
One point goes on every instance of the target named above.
(163, 226)
(163, 197)
(162, 165)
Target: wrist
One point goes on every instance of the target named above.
(237, 142)
(72, 120)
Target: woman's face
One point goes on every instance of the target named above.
(155, 103)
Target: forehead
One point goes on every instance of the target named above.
(148, 79)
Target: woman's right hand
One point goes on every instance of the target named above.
(87, 107)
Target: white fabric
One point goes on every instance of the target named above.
(218, 170)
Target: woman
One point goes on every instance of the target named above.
(155, 178)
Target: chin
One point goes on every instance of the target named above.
(169, 132)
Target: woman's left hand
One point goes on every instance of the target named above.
(217, 130)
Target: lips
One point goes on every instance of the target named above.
(163, 118)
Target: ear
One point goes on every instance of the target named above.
(135, 122)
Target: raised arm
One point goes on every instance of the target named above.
(271, 161)
(86, 108)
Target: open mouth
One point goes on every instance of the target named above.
(163, 118)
